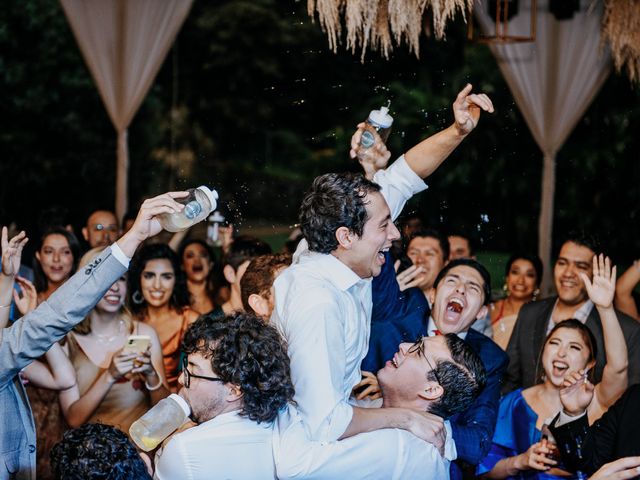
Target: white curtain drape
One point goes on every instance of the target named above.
(553, 80)
(124, 43)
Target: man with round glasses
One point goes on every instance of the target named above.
(235, 378)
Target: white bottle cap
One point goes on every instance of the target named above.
(182, 402)
(381, 117)
(212, 195)
(216, 217)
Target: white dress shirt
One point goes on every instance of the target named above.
(323, 310)
(385, 454)
(226, 447)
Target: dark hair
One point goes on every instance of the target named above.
(155, 251)
(533, 259)
(248, 353)
(584, 239)
(212, 282)
(39, 278)
(243, 248)
(96, 451)
(471, 241)
(335, 200)
(477, 266)
(585, 333)
(462, 380)
(259, 276)
(442, 239)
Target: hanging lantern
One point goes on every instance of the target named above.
(503, 11)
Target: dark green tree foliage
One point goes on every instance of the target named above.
(251, 101)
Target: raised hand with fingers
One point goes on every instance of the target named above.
(467, 108)
(27, 300)
(603, 286)
(577, 393)
(411, 277)
(376, 159)
(12, 251)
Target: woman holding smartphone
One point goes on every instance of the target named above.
(157, 295)
(118, 377)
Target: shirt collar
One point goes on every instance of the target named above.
(333, 269)
(431, 329)
(581, 314)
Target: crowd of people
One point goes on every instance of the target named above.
(372, 348)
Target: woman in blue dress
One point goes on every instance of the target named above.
(519, 450)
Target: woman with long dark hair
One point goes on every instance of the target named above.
(519, 449)
(157, 295)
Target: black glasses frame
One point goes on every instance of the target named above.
(418, 347)
(188, 375)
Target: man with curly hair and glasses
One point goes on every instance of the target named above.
(236, 379)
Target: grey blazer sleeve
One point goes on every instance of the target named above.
(32, 335)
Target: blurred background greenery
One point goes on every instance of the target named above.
(251, 101)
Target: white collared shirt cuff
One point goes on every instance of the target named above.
(563, 418)
(399, 183)
(119, 254)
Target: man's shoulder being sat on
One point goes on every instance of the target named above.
(440, 375)
(235, 379)
(536, 319)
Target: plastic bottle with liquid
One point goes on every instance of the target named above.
(158, 423)
(215, 221)
(379, 121)
(198, 205)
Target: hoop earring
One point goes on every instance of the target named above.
(505, 289)
(137, 297)
(536, 292)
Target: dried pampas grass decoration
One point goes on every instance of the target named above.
(621, 29)
(371, 24)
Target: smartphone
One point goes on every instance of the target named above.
(137, 344)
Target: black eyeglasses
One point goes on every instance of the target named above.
(187, 375)
(418, 347)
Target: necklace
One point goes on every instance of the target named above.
(102, 338)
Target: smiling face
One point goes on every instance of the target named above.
(56, 258)
(572, 259)
(458, 300)
(566, 351)
(365, 254)
(196, 262)
(113, 300)
(425, 252)
(403, 379)
(157, 281)
(522, 279)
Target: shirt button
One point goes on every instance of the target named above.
(32, 448)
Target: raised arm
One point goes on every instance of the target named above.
(426, 157)
(11, 255)
(626, 283)
(33, 334)
(614, 377)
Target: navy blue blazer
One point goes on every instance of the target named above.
(403, 316)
